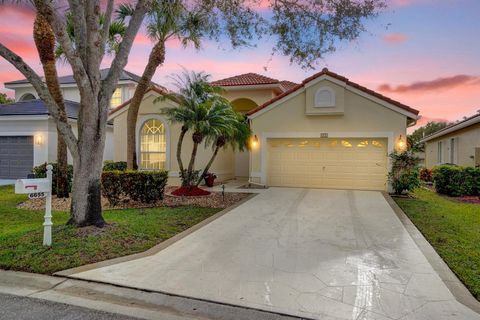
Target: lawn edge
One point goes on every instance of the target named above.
(155, 249)
(449, 278)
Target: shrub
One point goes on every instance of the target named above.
(109, 165)
(426, 175)
(143, 186)
(404, 175)
(41, 172)
(457, 181)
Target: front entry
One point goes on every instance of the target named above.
(340, 163)
(242, 164)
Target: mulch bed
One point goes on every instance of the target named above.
(213, 200)
(466, 199)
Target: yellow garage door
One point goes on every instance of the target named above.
(328, 163)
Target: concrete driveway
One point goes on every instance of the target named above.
(322, 254)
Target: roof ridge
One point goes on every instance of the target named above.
(327, 72)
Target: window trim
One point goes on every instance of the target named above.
(140, 122)
(452, 150)
(331, 103)
(440, 152)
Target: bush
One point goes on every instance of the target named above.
(457, 181)
(404, 175)
(143, 186)
(110, 165)
(426, 175)
(41, 172)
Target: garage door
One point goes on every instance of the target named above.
(16, 157)
(328, 163)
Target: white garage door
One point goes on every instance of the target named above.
(328, 163)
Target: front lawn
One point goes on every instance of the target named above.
(452, 228)
(130, 231)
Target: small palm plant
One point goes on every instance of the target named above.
(201, 109)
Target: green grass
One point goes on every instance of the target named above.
(130, 231)
(453, 229)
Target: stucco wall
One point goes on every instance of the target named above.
(223, 165)
(259, 96)
(468, 139)
(362, 117)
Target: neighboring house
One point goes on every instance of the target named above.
(28, 136)
(326, 132)
(458, 144)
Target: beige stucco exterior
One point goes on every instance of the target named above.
(359, 116)
(223, 167)
(466, 151)
(257, 94)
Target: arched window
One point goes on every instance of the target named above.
(153, 145)
(27, 96)
(325, 97)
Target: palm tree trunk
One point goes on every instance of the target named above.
(156, 58)
(45, 43)
(191, 164)
(209, 164)
(179, 148)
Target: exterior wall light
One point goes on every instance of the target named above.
(254, 141)
(401, 145)
(39, 139)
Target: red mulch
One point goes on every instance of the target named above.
(468, 199)
(190, 192)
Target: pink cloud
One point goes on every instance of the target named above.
(431, 85)
(395, 38)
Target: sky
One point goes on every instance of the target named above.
(423, 53)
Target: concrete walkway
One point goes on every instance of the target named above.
(321, 254)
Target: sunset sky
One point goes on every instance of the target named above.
(424, 53)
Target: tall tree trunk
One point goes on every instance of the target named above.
(209, 164)
(156, 58)
(45, 43)
(86, 208)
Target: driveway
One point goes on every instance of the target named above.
(321, 254)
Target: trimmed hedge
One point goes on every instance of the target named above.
(41, 172)
(143, 186)
(109, 165)
(457, 181)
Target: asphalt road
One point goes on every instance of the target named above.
(22, 308)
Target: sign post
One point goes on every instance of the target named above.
(40, 188)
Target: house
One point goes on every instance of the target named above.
(458, 144)
(28, 134)
(326, 132)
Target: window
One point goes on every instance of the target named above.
(439, 152)
(324, 97)
(27, 96)
(116, 98)
(153, 146)
(452, 151)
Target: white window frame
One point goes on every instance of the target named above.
(112, 105)
(440, 152)
(452, 150)
(141, 121)
(331, 103)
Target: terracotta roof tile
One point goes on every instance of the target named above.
(245, 79)
(325, 71)
(287, 85)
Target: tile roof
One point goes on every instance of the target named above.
(288, 84)
(325, 71)
(125, 76)
(245, 79)
(35, 108)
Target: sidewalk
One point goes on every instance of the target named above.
(134, 303)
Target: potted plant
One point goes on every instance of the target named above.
(209, 179)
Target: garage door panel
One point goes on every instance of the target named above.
(16, 156)
(328, 163)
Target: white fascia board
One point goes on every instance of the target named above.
(65, 85)
(453, 128)
(24, 117)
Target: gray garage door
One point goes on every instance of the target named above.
(16, 157)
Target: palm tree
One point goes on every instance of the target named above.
(44, 38)
(200, 108)
(236, 135)
(165, 20)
